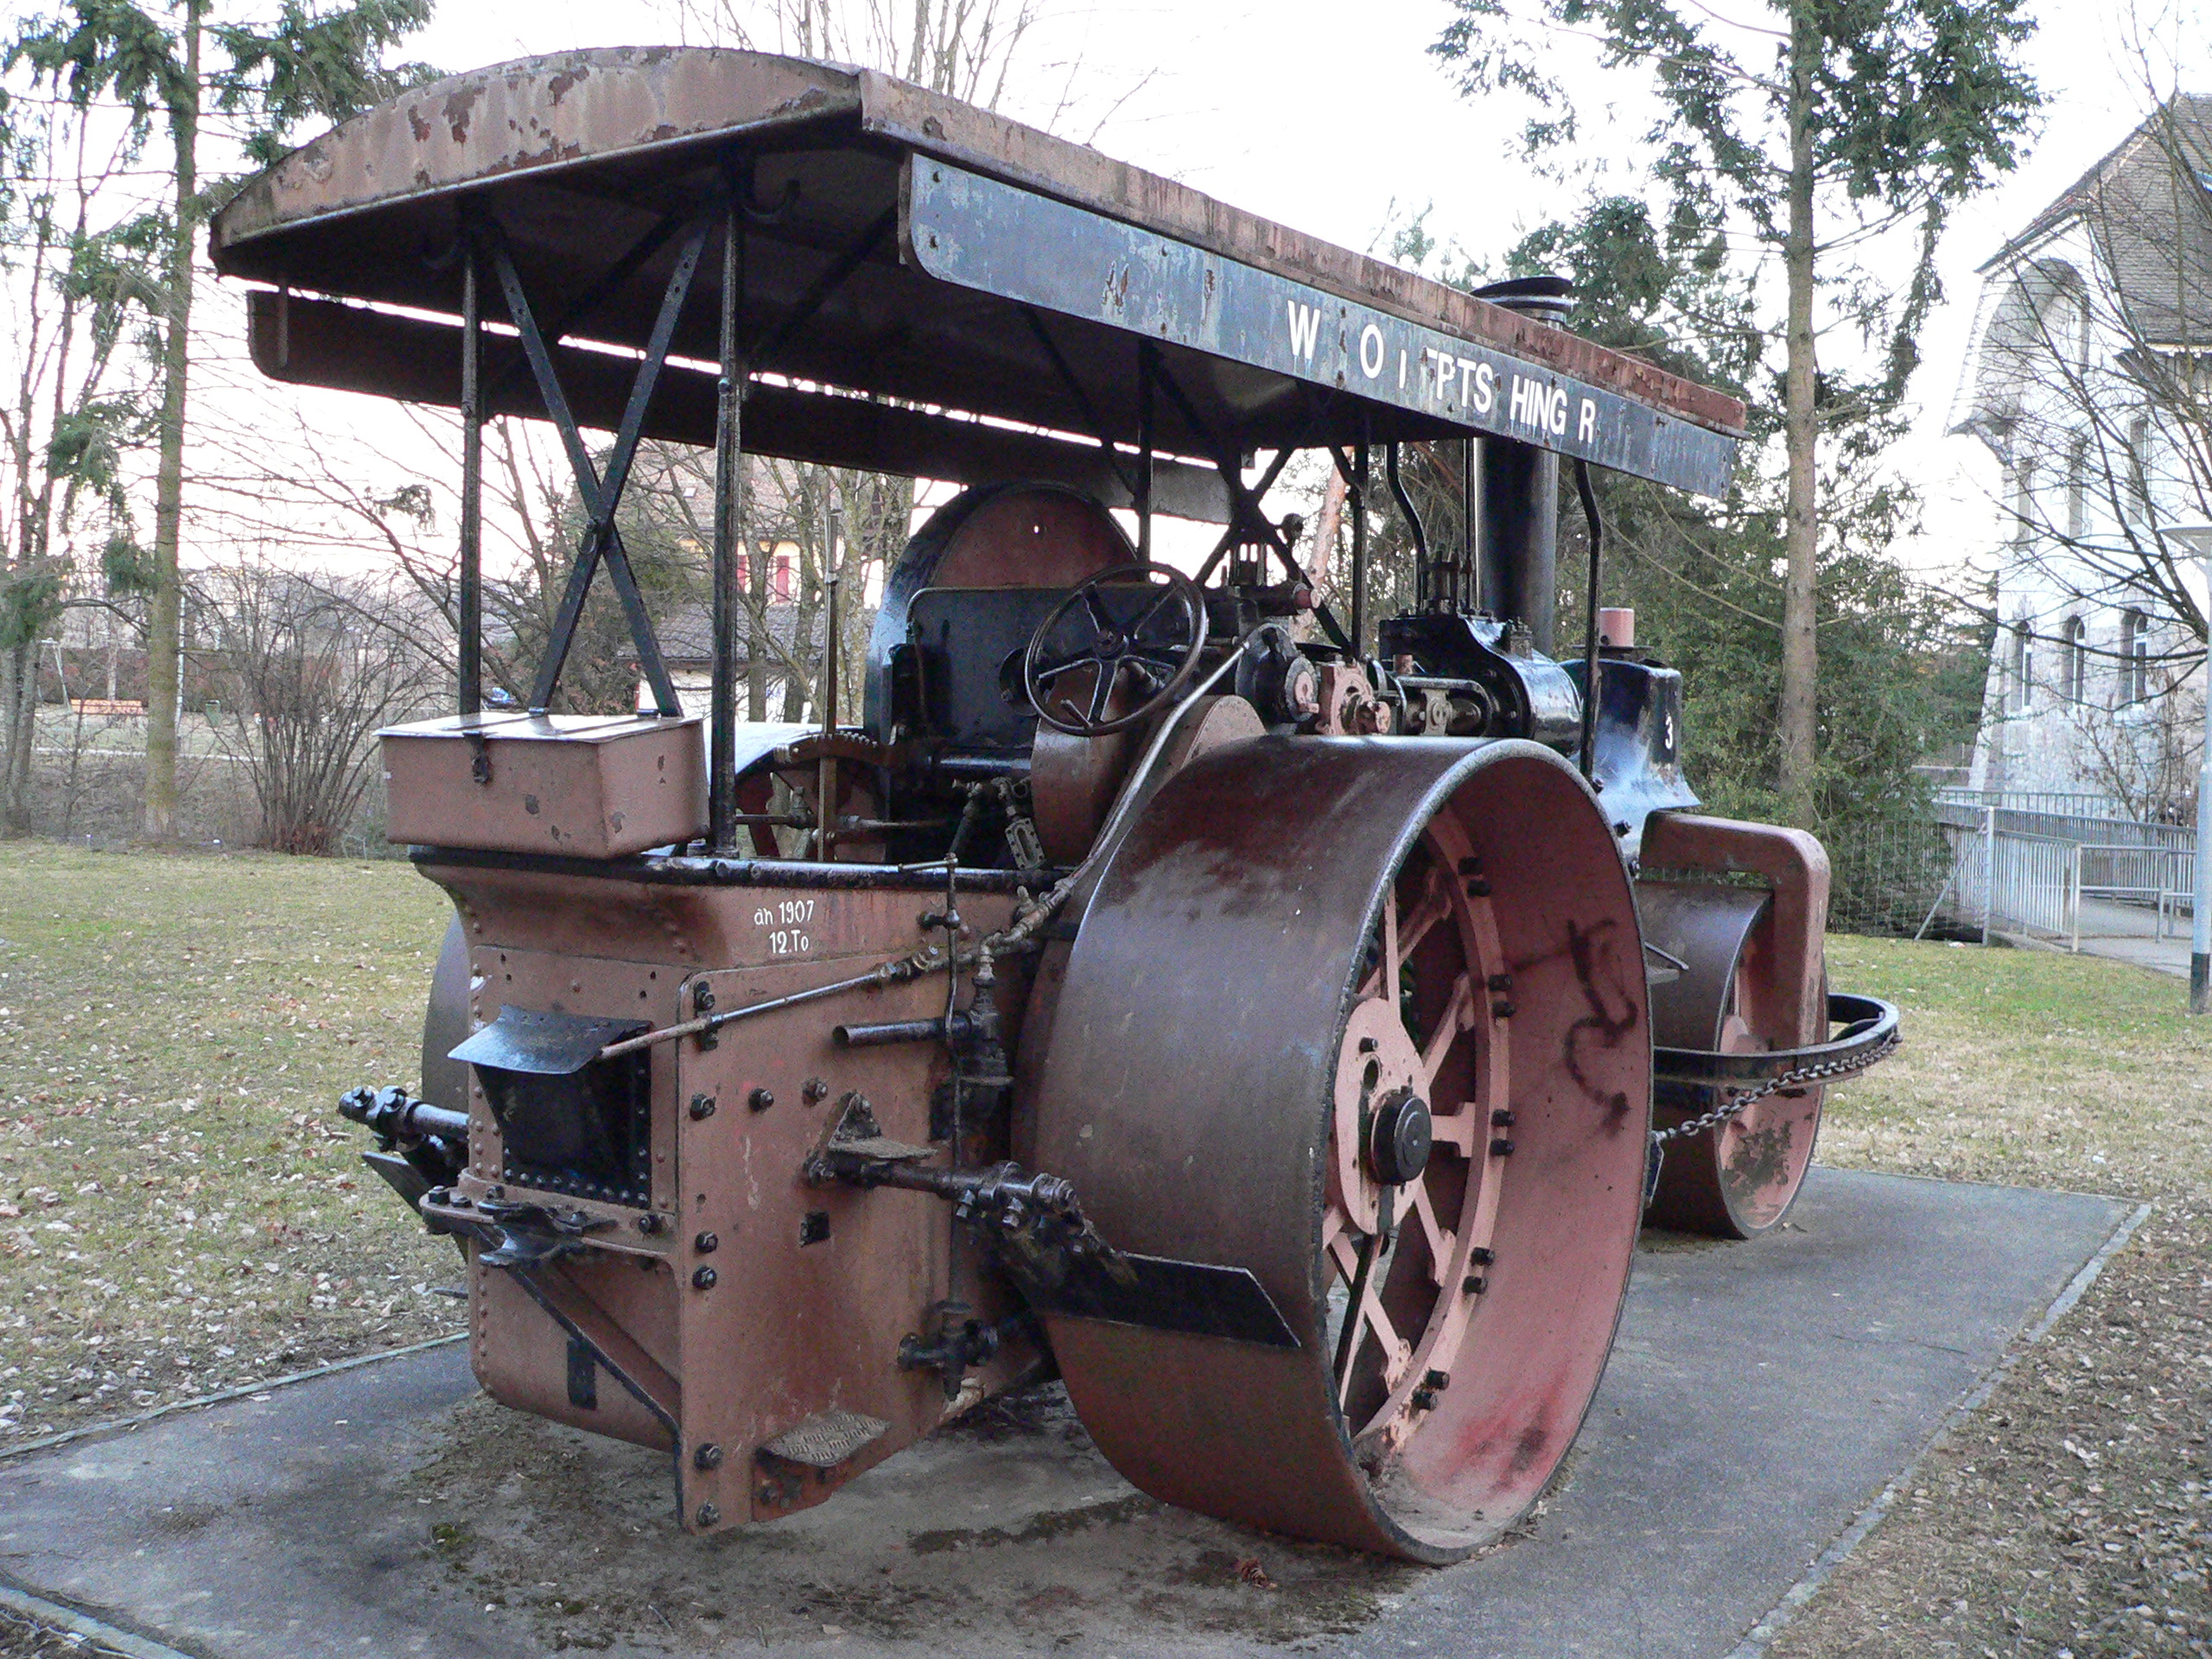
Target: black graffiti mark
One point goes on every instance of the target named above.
(1585, 948)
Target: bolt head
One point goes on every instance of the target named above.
(709, 1514)
(702, 1107)
(704, 1279)
(705, 1244)
(761, 1099)
(707, 1457)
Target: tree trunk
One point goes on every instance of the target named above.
(1800, 660)
(164, 625)
(19, 706)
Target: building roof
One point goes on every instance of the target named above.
(2147, 204)
(687, 634)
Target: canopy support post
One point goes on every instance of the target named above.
(729, 539)
(1145, 365)
(469, 600)
(1358, 481)
(1469, 597)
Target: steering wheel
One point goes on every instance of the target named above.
(1120, 624)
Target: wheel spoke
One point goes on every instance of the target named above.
(1458, 1010)
(1160, 657)
(1456, 1130)
(1440, 1239)
(1053, 670)
(1097, 607)
(1364, 1315)
(1435, 906)
(1152, 610)
(1102, 694)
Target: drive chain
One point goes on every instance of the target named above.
(1819, 1072)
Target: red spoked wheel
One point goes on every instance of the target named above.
(1431, 1035)
(1369, 1020)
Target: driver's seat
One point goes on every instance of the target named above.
(962, 600)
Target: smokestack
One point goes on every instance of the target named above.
(1518, 485)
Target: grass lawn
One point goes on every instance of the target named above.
(2071, 1515)
(180, 1210)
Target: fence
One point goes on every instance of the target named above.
(2057, 817)
(2007, 880)
(2058, 802)
(1886, 874)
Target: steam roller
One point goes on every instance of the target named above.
(1146, 964)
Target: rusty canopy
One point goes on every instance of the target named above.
(929, 287)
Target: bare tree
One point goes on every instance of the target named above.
(314, 667)
(78, 288)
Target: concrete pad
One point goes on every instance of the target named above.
(1760, 1397)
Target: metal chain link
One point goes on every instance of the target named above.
(1814, 1073)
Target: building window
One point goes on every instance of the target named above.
(2137, 493)
(2134, 657)
(2075, 663)
(785, 562)
(2023, 665)
(2077, 488)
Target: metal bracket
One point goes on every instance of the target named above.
(1870, 1033)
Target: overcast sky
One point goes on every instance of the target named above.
(1322, 115)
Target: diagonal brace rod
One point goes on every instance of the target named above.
(1244, 504)
(601, 496)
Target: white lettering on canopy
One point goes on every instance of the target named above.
(997, 238)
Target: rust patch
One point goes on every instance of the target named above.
(1529, 1447)
(459, 104)
(1760, 1160)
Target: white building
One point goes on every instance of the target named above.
(2090, 381)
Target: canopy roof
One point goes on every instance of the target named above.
(929, 287)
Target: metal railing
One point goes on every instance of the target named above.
(2163, 877)
(2063, 826)
(2072, 803)
(2005, 879)
(2009, 881)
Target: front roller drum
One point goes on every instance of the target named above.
(1742, 971)
(1369, 1021)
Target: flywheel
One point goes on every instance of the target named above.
(1369, 1021)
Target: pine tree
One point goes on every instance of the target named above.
(1866, 117)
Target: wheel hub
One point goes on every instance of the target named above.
(1398, 1140)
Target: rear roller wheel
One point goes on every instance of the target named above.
(1368, 1019)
